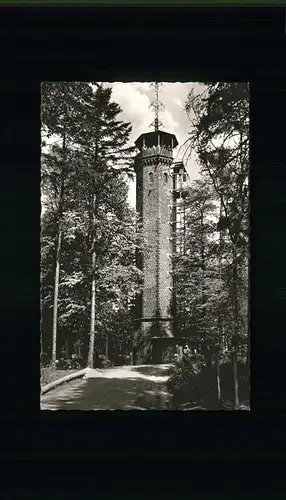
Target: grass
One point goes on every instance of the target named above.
(49, 375)
(202, 405)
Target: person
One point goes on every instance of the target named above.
(186, 355)
(179, 350)
(129, 358)
(186, 350)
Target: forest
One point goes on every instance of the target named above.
(90, 235)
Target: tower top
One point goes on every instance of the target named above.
(161, 137)
(162, 141)
(157, 105)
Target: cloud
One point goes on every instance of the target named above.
(169, 124)
(135, 105)
(177, 101)
(142, 86)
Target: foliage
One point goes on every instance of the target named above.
(220, 137)
(85, 170)
(50, 373)
(104, 362)
(192, 384)
(184, 380)
(211, 276)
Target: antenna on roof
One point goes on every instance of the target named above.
(157, 105)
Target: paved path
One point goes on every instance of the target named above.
(120, 388)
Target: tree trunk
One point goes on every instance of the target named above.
(218, 380)
(56, 296)
(41, 340)
(92, 297)
(106, 346)
(235, 339)
(58, 255)
(202, 242)
(92, 315)
(235, 382)
(220, 328)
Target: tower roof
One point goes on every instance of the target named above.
(152, 136)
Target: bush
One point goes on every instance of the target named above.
(44, 359)
(185, 380)
(104, 362)
(193, 383)
(47, 373)
(51, 371)
(72, 363)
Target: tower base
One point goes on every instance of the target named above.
(153, 344)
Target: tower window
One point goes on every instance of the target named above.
(151, 180)
(165, 178)
(184, 177)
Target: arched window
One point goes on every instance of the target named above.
(165, 178)
(151, 180)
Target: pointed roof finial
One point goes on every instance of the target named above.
(157, 105)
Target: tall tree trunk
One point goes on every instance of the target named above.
(218, 380)
(202, 242)
(56, 296)
(93, 262)
(202, 250)
(106, 346)
(236, 330)
(58, 255)
(220, 329)
(92, 296)
(235, 381)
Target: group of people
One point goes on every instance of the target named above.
(157, 149)
(184, 351)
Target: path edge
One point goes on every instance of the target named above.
(73, 376)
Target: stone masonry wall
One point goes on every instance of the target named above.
(165, 260)
(154, 200)
(157, 198)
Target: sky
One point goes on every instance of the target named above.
(135, 98)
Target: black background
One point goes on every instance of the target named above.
(139, 44)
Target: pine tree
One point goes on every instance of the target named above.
(106, 156)
(98, 230)
(220, 137)
(60, 113)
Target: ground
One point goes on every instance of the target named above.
(122, 388)
(49, 375)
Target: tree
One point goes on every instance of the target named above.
(60, 113)
(220, 137)
(199, 283)
(97, 277)
(103, 141)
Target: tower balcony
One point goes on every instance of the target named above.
(147, 152)
(181, 192)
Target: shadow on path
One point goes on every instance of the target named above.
(126, 388)
(155, 370)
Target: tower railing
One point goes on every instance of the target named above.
(156, 150)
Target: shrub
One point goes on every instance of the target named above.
(72, 363)
(44, 359)
(185, 380)
(47, 373)
(104, 362)
(193, 382)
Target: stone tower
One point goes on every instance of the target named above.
(154, 200)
